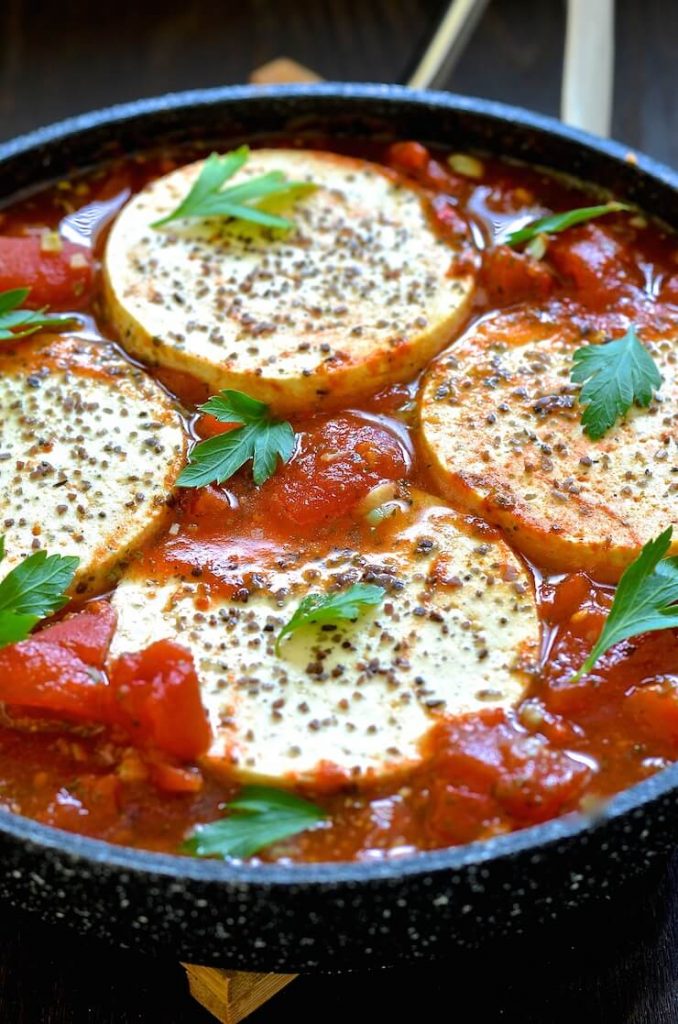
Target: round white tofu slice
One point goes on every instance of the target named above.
(501, 428)
(90, 448)
(457, 632)
(361, 293)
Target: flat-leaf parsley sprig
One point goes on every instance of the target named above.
(207, 197)
(557, 222)
(646, 599)
(615, 376)
(16, 322)
(326, 608)
(32, 590)
(259, 816)
(258, 437)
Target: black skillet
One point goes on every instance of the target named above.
(337, 916)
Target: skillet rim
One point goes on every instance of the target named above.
(536, 839)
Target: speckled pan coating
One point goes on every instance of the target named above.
(337, 916)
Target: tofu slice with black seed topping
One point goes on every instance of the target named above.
(457, 632)
(90, 448)
(361, 293)
(501, 429)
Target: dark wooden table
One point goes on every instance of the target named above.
(61, 58)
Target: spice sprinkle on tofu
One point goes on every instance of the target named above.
(359, 293)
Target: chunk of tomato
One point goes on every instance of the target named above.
(156, 697)
(415, 160)
(468, 754)
(537, 781)
(458, 815)
(654, 708)
(153, 696)
(60, 280)
(170, 778)
(517, 776)
(45, 676)
(508, 276)
(88, 634)
(337, 462)
(598, 264)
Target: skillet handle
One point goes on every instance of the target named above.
(588, 66)
(447, 44)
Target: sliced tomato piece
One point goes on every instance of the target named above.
(336, 464)
(60, 280)
(157, 700)
(508, 276)
(87, 634)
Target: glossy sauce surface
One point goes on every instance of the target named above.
(567, 745)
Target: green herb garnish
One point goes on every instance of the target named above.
(19, 323)
(324, 608)
(207, 198)
(615, 376)
(33, 590)
(645, 601)
(259, 816)
(260, 438)
(556, 222)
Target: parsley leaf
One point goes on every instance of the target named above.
(18, 323)
(207, 198)
(33, 590)
(260, 438)
(321, 608)
(556, 222)
(646, 599)
(259, 816)
(615, 375)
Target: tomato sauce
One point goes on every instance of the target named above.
(121, 774)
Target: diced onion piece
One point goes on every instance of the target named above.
(536, 248)
(468, 166)
(390, 508)
(50, 241)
